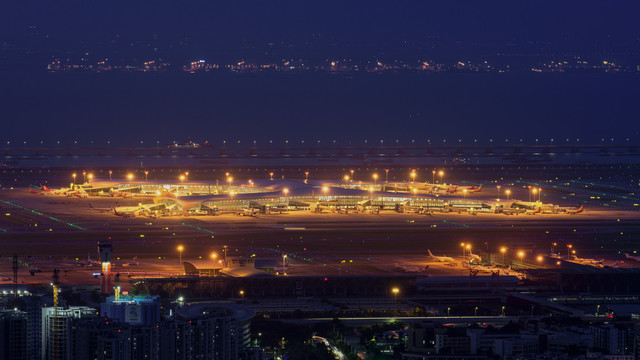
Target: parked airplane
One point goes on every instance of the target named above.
(533, 211)
(248, 212)
(101, 209)
(576, 211)
(474, 258)
(36, 191)
(629, 256)
(410, 269)
(440, 258)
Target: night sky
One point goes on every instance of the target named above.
(125, 108)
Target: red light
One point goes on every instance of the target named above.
(325, 279)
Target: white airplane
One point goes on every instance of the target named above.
(474, 258)
(410, 269)
(440, 258)
(248, 212)
(101, 209)
(629, 256)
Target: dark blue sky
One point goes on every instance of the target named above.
(365, 20)
(36, 105)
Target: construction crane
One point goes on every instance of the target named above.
(116, 289)
(14, 267)
(55, 283)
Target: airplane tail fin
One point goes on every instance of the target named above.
(479, 188)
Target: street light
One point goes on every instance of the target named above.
(351, 171)
(540, 258)
(242, 294)
(186, 176)
(395, 295)
(508, 193)
(448, 311)
(503, 250)
(74, 178)
(286, 191)
(84, 176)
(464, 193)
(346, 178)
(180, 249)
(270, 176)
(433, 176)
(130, 176)
(386, 175)
(284, 262)
(441, 173)
(110, 172)
(182, 178)
(375, 179)
(90, 177)
(475, 311)
(146, 175)
(462, 246)
(498, 192)
(413, 176)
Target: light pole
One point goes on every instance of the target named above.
(84, 176)
(346, 178)
(286, 200)
(284, 262)
(508, 193)
(464, 193)
(306, 176)
(130, 176)
(110, 172)
(146, 175)
(395, 295)
(475, 311)
(375, 180)
(448, 311)
(74, 178)
(225, 255)
(90, 176)
(413, 176)
(229, 180)
(242, 294)
(182, 178)
(540, 195)
(186, 176)
(535, 191)
(270, 176)
(521, 256)
(498, 192)
(441, 173)
(351, 171)
(503, 308)
(433, 176)
(386, 175)
(503, 250)
(462, 246)
(180, 249)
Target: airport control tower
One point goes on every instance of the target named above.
(105, 250)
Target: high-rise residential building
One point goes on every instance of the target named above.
(13, 335)
(57, 339)
(134, 310)
(207, 331)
